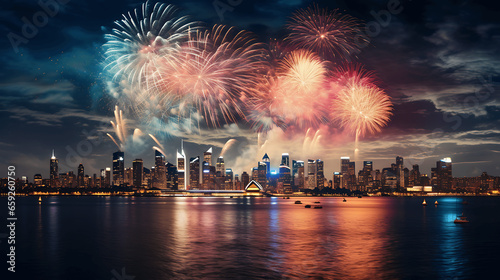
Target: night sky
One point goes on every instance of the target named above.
(438, 60)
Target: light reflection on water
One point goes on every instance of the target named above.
(162, 238)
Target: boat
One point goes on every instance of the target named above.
(424, 203)
(318, 207)
(308, 206)
(436, 202)
(287, 197)
(344, 200)
(317, 202)
(39, 199)
(284, 197)
(461, 219)
(298, 202)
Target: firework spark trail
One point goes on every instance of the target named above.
(159, 150)
(329, 33)
(156, 141)
(227, 146)
(112, 138)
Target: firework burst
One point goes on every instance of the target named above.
(361, 109)
(294, 96)
(329, 33)
(141, 39)
(217, 71)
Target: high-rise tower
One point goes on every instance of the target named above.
(54, 170)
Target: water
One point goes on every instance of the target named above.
(266, 238)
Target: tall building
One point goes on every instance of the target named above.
(267, 161)
(337, 180)
(414, 178)
(320, 176)
(138, 173)
(194, 173)
(128, 179)
(245, 179)
(159, 179)
(118, 168)
(311, 174)
(172, 179)
(207, 156)
(444, 174)
(365, 178)
(344, 170)
(400, 172)
(181, 169)
(351, 183)
(300, 175)
(228, 184)
(285, 179)
(220, 174)
(285, 159)
(80, 176)
(54, 170)
(107, 178)
(262, 174)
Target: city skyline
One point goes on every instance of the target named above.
(291, 174)
(55, 95)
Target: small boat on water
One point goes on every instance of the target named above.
(424, 203)
(317, 202)
(436, 202)
(344, 200)
(318, 207)
(461, 219)
(287, 197)
(308, 206)
(284, 197)
(39, 199)
(298, 202)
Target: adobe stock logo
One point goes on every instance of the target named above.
(30, 27)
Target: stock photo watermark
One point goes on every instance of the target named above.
(223, 6)
(32, 25)
(11, 219)
(121, 276)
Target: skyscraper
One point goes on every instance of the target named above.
(285, 159)
(54, 171)
(444, 174)
(207, 156)
(245, 179)
(228, 184)
(400, 172)
(344, 170)
(118, 168)
(220, 174)
(181, 169)
(138, 173)
(285, 179)
(320, 176)
(194, 173)
(159, 174)
(80, 176)
(311, 174)
(300, 177)
(267, 161)
(262, 174)
(107, 178)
